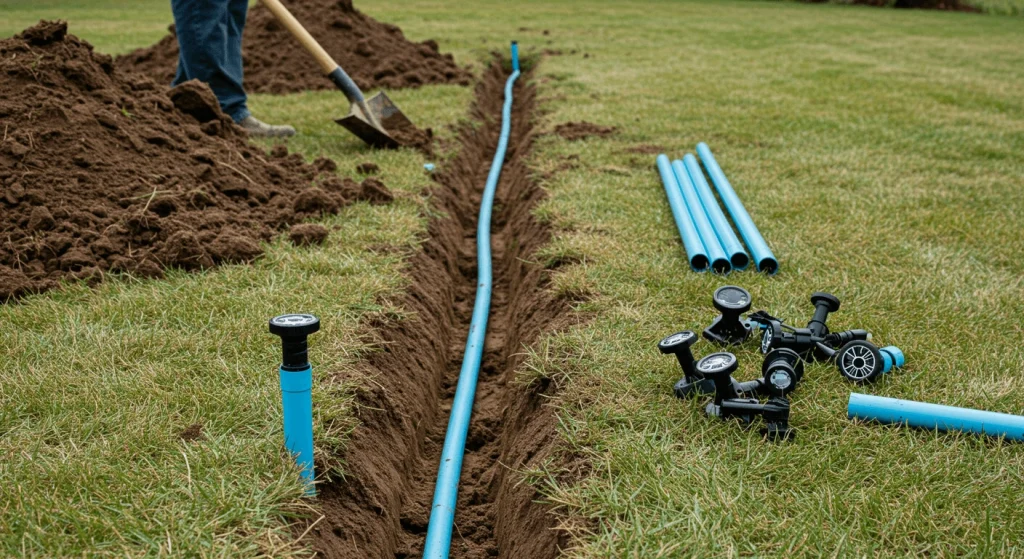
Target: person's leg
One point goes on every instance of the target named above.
(206, 46)
(235, 24)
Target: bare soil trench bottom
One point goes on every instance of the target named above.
(382, 507)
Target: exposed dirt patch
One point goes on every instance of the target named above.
(646, 149)
(103, 171)
(375, 54)
(382, 507)
(367, 168)
(193, 432)
(573, 131)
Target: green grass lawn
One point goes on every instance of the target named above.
(878, 150)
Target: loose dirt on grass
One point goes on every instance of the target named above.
(106, 171)
(382, 507)
(582, 130)
(375, 54)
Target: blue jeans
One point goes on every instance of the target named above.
(210, 45)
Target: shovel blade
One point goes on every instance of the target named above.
(390, 117)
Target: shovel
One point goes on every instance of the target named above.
(370, 119)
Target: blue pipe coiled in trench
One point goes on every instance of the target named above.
(446, 491)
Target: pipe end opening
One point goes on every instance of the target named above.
(721, 266)
(740, 260)
(699, 262)
(769, 266)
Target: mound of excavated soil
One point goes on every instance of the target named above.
(107, 171)
(375, 54)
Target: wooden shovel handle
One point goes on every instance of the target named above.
(299, 32)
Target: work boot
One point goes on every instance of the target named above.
(261, 129)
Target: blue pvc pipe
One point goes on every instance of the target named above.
(695, 251)
(446, 491)
(719, 261)
(730, 242)
(892, 356)
(935, 417)
(297, 407)
(763, 257)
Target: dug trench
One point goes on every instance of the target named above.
(382, 506)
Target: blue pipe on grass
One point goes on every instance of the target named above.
(296, 375)
(442, 512)
(730, 242)
(719, 261)
(935, 416)
(695, 251)
(763, 257)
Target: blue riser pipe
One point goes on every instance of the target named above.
(763, 257)
(695, 251)
(935, 417)
(442, 512)
(719, 260)
(297, 405)
(730, 242)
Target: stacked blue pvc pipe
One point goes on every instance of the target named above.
(707, 236)
(446, 491)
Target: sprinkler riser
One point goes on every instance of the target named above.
(297, 410)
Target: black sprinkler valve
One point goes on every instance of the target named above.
(679, 344)
(730, 328)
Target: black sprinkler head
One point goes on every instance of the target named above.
(729, 328)
(679, 344)
(718, 367)
(294, 330)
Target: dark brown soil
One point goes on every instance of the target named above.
(104, 171)
(307, 234)
(193, 432)
(367, 168)
(375, 54)
(573, 131)
(382, 507)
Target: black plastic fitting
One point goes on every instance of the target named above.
(782, 369)
(729, 328)
(775, 413)
(824, 303)
(294, 330)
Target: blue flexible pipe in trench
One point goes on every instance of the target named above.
(446, 491)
